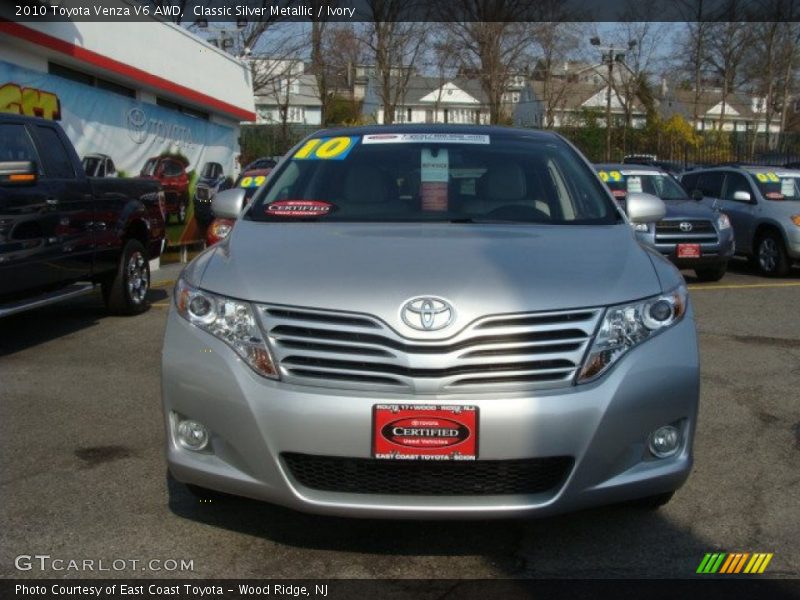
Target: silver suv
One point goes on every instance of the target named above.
(763, 204)
(426, 321)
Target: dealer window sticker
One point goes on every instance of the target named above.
(634, 184)
(425, 138)
(327, 148)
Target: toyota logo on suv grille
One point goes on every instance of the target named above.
(427, 313)
(686, 226)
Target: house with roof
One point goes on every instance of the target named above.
(286, 87)
(565, 103)
(736, 113)
(431, 100)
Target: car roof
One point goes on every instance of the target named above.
(497, 130)
(745, 168)
(629, 167)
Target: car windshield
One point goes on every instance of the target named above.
(423, 177)
(209, 170)
(778, 185)
(622, 182)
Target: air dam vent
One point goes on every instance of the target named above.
(428, 478)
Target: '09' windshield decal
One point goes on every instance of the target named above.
(330, 148)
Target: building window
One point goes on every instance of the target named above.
(408, 116)
(446, 115)
(88, 79)
(197, 114)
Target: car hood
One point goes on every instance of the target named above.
(479, 269)
(687, 209)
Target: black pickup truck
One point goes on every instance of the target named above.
(63, 233)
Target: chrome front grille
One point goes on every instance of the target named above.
(359, 351)
(670, 232)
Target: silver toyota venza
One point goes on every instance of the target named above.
(432, 322)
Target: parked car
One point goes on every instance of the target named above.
(62, 233)
(763, 204)
(432, 321)
(249, 181)
(212, 179)
(171, 173)
(691, 235)
(99, 165)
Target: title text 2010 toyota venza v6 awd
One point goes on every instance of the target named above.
(432, 322)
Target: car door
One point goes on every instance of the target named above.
(69, 198)
(740, 212)
(27, 221)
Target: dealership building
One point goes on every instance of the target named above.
(128, 90)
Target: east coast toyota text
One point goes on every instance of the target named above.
(437, 322)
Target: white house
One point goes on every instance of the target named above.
(284, 86)
(432, 100)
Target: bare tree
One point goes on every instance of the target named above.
(790, 58)
(556, 42)
(394, 46)
(343, 49)
(725, 50)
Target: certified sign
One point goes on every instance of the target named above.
(422, 432)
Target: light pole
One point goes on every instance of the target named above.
(609, 55)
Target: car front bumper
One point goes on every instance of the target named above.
(603, 426)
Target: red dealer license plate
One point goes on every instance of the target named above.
(688, 250)
(417, 432)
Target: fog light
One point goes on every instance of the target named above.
(664, 441)
(192, 435)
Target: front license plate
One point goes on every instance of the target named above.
(424, 432)
(688, 250)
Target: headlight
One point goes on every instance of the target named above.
(628, 325)
(723, 222)
(232, 321)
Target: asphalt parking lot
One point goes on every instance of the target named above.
(82, 474)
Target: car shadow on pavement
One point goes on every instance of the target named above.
(31, 328)
(613, 541)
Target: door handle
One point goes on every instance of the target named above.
(51, 201)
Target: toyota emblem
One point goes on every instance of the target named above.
(686, 226)
(427, 313)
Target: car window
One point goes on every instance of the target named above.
(435, 177)
(149, 167)
(781, 185)
(621, 183)
(110, 168)
(57, 161)
(16, 145)
(710, 183)
(172, 168)
(689, 181)
(735, 182)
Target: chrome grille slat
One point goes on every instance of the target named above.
(669, 232)
(361, 352)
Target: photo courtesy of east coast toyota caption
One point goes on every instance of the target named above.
(410, 348)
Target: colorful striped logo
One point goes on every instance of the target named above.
(734, 563)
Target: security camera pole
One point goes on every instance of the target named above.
(609, 55)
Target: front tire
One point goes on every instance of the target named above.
(771, 257)
(712, 273)
(125, 293)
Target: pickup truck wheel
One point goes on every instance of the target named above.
(126, 292)
(771, 256)
(714, 273)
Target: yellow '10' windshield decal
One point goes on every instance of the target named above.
(332, 148)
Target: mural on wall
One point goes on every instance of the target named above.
(130, 132)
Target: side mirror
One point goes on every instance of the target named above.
(742, 196)
(697, 195)
(645, 208)
(18, 172)
(228, 204)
